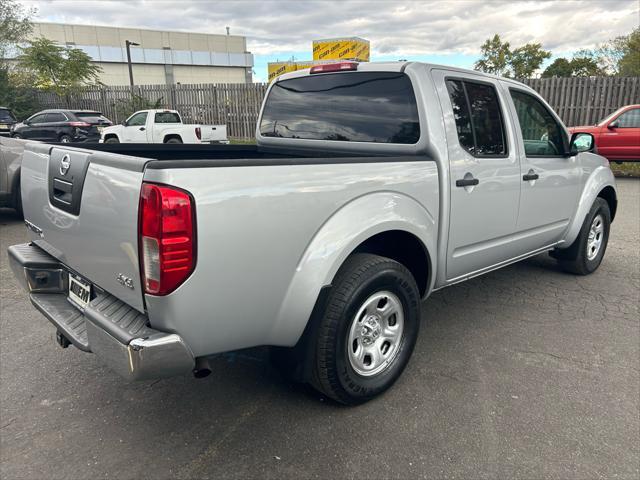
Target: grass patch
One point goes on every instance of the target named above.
(242, 141)
(626, 169)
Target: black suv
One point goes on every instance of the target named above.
(62, 126)
(7, 119)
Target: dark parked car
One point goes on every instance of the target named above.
(62, 126)
(7, 119)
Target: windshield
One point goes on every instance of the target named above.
(351, 107)
(6, 116)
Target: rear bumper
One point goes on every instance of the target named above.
(117, 333)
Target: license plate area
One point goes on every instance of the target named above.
(79, 291)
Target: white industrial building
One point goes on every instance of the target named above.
(162, 57)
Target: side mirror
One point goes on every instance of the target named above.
(123, 123)
(613, 125)
(582, 142)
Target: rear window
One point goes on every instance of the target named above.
(92, 117)
(167, 117)
(6, 116)
(352, 107)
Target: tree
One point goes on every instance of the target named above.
(560, 67)
(585, 63)
(629, 63)
(15, 24)
(58, 69)
(495, 56)
(499, 59)
(525, 60)
(17, 93)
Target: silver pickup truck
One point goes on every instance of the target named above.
(371, 186)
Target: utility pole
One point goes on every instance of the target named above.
(128, 45)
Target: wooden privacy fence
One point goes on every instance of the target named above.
(578, 101)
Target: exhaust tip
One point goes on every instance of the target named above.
(202, 368)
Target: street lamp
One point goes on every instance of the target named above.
(128, 44)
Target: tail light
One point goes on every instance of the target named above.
(198, 133)
(167, 237)
(80, 124)
(334, 67)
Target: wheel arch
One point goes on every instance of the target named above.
(608, 193)
(170, 136)
(111, 135)
(382, 223)
(599, 184)
(405, 248)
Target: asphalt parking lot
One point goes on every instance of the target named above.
(526, 372)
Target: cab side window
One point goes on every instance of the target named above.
(138, 120)
(478, 117)
(542, 135)
(630, 119)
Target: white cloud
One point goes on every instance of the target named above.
(394, 27)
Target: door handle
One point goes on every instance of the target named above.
(530, 176)
(142, 129)
(467, 182)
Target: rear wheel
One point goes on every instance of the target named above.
(17, 135)
(368, 329)
(65, 139)
(585, 254)
(173, 140)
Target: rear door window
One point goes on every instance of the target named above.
(55, 118)
(167, 117)
(478, 117)
(351, 107)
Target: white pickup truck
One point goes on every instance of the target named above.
(162, 126)
(372, 185)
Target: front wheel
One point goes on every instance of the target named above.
(112, 140)
(368, 330)
(585, 254)
(65, 139)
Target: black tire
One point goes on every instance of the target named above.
(576, 259)
(112, 140)
(16, 135)
(361, 278)
(173, 140)
(65, 139)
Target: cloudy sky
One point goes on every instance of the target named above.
(448, 32)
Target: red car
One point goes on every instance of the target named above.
(618, 135)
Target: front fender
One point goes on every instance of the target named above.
(347, 228)
(600, 177)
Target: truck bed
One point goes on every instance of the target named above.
(181, 152)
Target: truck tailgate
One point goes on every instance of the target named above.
(82, 208)
(214, 133)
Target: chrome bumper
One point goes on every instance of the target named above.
(117, 333)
